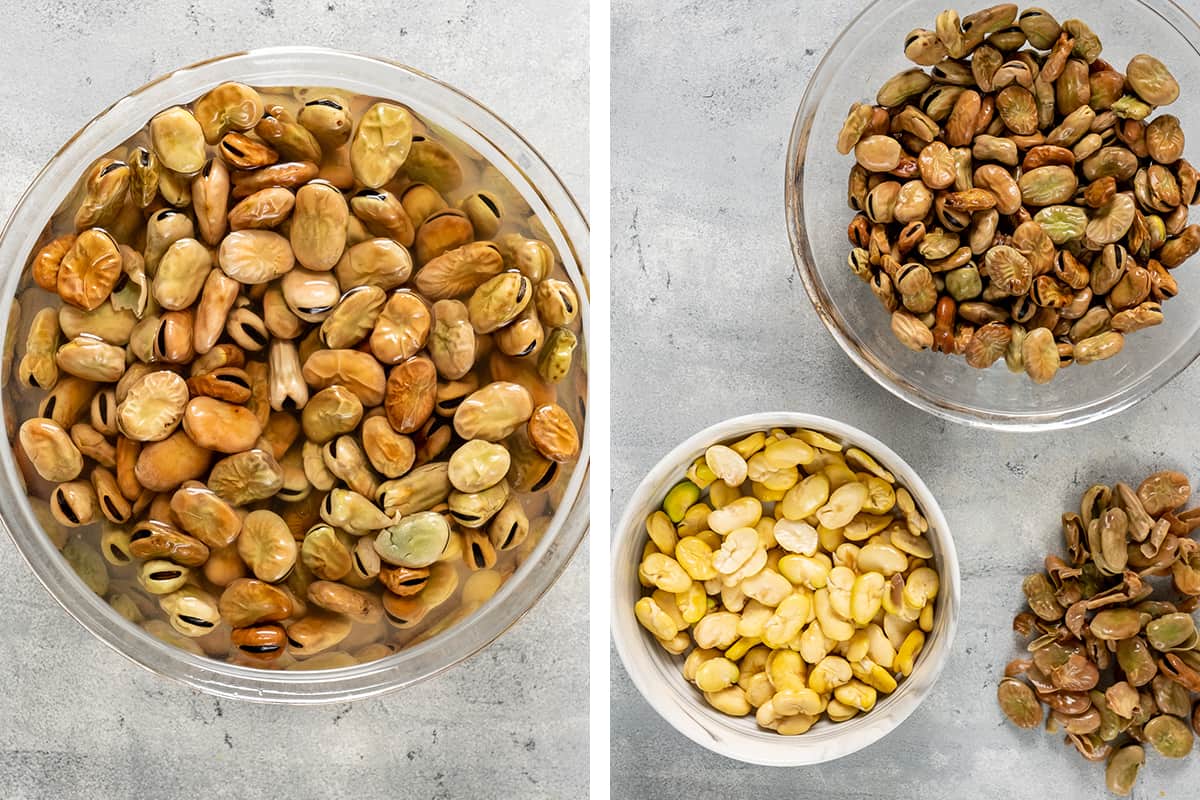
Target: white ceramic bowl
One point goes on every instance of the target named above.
(658, 674)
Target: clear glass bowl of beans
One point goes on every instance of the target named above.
(785, 590)
(295, 378)
(1106, 49)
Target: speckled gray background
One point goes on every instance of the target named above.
(78, 720)
(710, 321)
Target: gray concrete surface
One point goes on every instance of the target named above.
(709, 321)
(77, 720)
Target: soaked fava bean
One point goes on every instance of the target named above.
(807, 600)
(226, 304)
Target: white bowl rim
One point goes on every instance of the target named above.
(687, 713)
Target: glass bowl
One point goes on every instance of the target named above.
(866, 54)
(462, 117)
(658, 675)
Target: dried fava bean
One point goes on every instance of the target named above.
(1030, 161)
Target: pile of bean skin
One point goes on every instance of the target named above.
(1115, 657)
(298, 388)
(800, 571)
(1016, 201)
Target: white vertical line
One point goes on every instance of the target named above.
(598, 393)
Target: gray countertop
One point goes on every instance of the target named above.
(710, 321)
(81, 721)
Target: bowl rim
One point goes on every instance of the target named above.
(687, 713)
(896, 384)
(566, 224)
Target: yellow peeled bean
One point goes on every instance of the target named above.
(741, 647)
(830, 538)
(803, 499)
(881, 497)
(920, 587)
(798, 701)
(750, 445)
(695, 658)
(754, 661)
(839, 711)
(865, 525)
(766, 495)
(718, 630)
(677, 645)
(866, 597)
(795, 536)
(726, 463)
(665, 573)
(814, 644)
(695, 519)
(856, 694)
(795, 725)
(666, 601)
(864, 460)
(716, 674)
(692, 603)
(713, 540)
(839, 585)
(700, 474)
(828, 674)
(654, 619)
(874, 676)
(839, 474)
(846, 555)
(662, 532)
(780, 480)
(810, 571)
(766, 532)
(787, 621)
(844, 502)
(880, 649)
(882, 558)
(833, 626)
(925, 621)
(786, 670)
(721, 494)
(897, 630)
(906, 654)
(732, 597)
(788, 453)
(818, 440)
(754, 619)
(745, 512)
(731, 701)
(695, 557)
(857, 648)
(758, 688)
(767, 587)
(753, 565)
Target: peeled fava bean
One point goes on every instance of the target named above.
(278, 363)
(801, 606)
